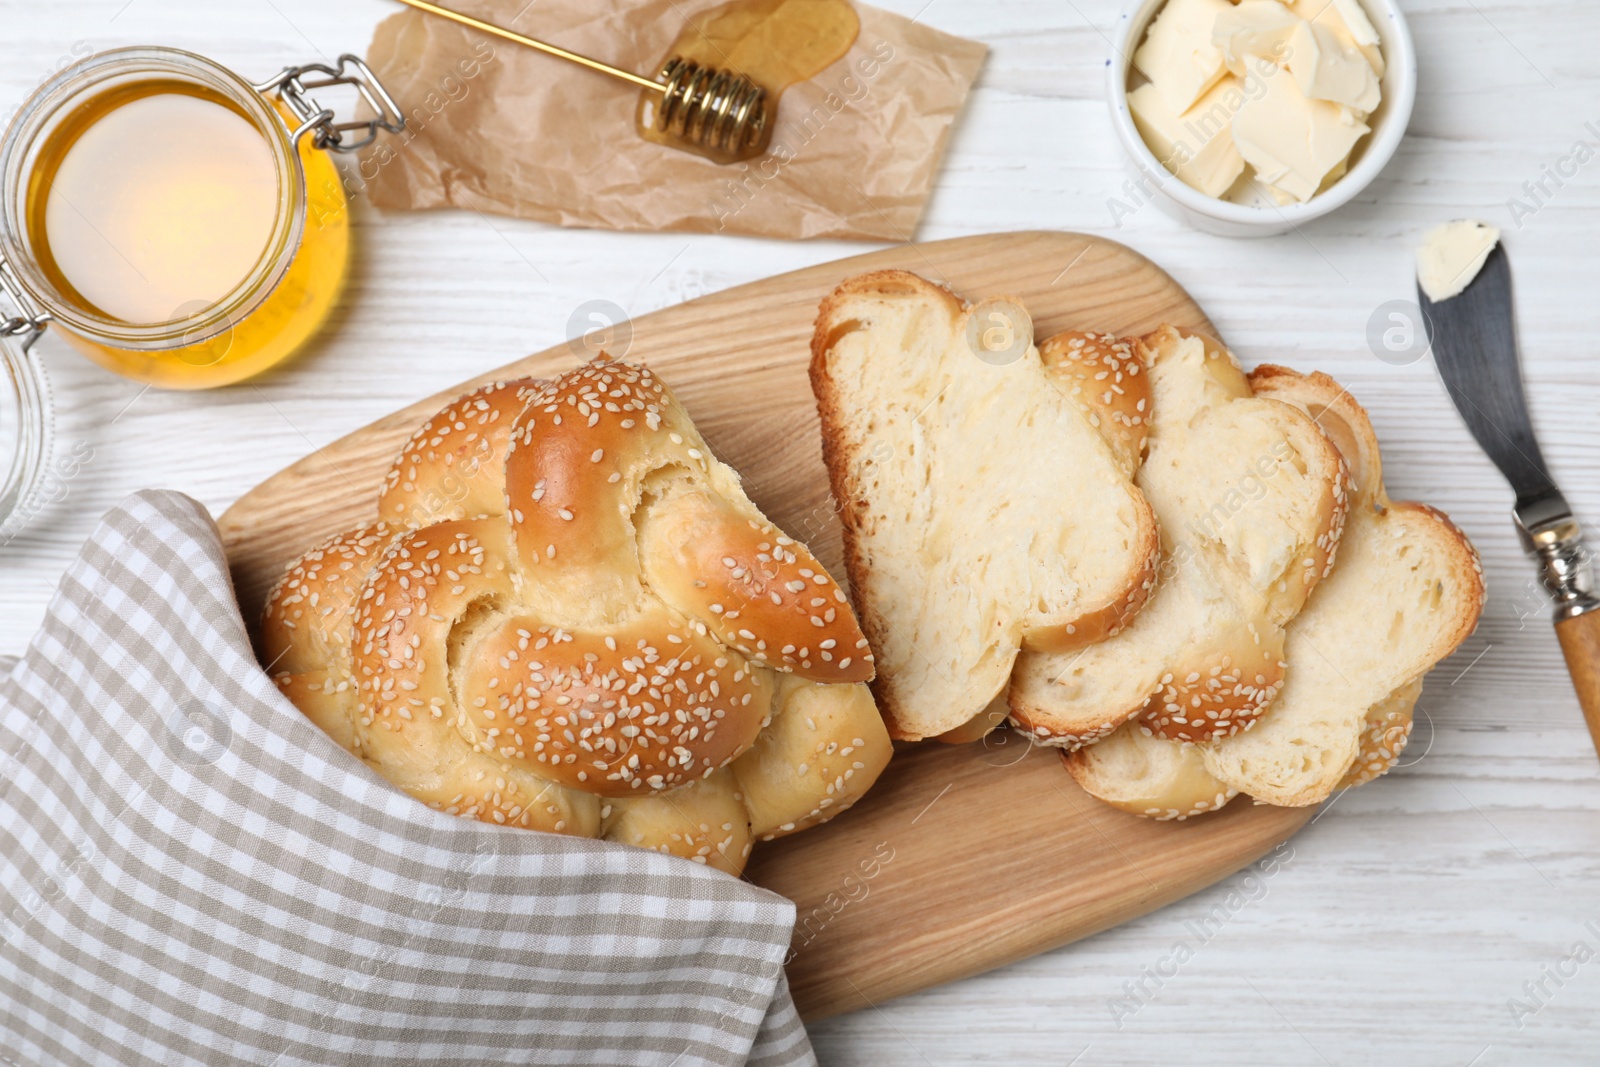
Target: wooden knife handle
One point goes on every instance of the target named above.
(1580, 643)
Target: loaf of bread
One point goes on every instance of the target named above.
(985, 489)
(1251, 497)
(1405, 591)
(571, 618)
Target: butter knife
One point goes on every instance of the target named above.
(1474, 342)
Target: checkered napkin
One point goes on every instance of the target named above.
(191, 873)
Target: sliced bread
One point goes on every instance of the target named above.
(1251, 497)
(986, 495)
(1406, 591)
(1141, 773)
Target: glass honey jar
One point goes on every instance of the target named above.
(176, 223)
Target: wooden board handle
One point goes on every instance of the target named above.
(1580, 642)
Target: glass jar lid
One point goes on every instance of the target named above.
(25, 434)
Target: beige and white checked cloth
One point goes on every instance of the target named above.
(192, 873)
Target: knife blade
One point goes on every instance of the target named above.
(1473, 336)
(1475, 348)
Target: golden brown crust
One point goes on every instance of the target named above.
(454, 466)
(408, 609)
(1384, 735)
(591, 446)
(579, 455)
(640, 709)
(817, 757)
(706, 821)
(1105, 376)
(760, 592)
(325, 697)
(1219, 690)
(306, 626)
(407, 714)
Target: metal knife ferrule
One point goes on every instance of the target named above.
(1556, 541)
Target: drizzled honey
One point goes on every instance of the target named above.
(158, 201)
(774, 43)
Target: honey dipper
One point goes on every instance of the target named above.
(711, 109)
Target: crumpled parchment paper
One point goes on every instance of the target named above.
(496, 127)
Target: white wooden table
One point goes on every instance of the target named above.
(1417, 913)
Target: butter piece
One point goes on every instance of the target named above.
(1197, 146)
(1242, 191)
(1178, 55)
(1279, 197)
(1251, 191)
(1327, 67)
(1345, 15)
(1374, 57)
(1356, 22)
(1452, 255)
(1292, 141)
(1340, 169)
(1254, 28)
(1347, 18)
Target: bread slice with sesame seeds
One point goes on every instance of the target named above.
(1251, 497)
(1406, 590)
(985, 489)
(1141, 773)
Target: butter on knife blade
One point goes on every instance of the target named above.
(1451, 255)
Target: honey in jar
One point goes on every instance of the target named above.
(177, 226)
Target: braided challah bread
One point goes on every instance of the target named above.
(571, 618)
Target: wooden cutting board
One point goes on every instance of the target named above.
(961, 859)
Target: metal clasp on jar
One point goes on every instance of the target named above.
(294, 88)
(30, 320)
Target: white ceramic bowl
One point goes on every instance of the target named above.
(1399, 85)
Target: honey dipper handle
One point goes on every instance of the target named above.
(547, 49)
(1580, 643)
